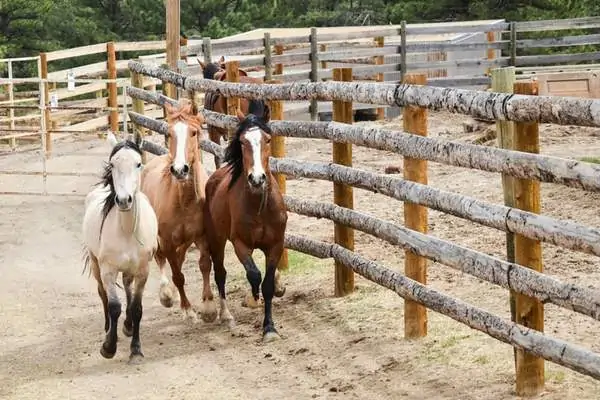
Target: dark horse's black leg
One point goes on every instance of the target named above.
(128, 324)
(268, 289)
(254, 276)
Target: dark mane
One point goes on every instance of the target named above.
(107, 179)
(210, 70)
(258, 115)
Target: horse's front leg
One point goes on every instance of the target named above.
(109, 279)
(268, 290)
(128, 324)
(208, 308)
(244, 254)
(176, 258)
(135, 309)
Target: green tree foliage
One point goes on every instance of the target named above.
(30, 26)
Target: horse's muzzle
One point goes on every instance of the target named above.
(257, 181)
(180, 173)
(125, 203)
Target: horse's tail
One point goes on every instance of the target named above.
(87, 261)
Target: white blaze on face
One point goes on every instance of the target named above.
(181, 134)
(126, 173)
(254, 137)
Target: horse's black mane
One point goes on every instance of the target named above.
(210, 70)
(258, 115)
(107, 179)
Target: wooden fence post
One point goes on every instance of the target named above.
(232, 69)
(403, 69)
(207, 50)
(173, 46)
(267, 53)
(491, 53)
(137, 81)
(415, 216)
(513, 44)
(46, 94)
(278, 151)
(503, 80)
(113, 116)
(379, 60)
(529, 312)
(314, 71)
(342, 194)
(278, 66)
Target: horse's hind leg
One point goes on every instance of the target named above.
(128, 324)
(109, 279)
(208, 309)
(166, 290)
(135, 310)
(101, 292)
(176, 259)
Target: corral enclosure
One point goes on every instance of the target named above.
(366, 354)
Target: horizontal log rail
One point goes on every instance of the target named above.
(490, 269)
(543, 168)
(479, 104)
(555, 350)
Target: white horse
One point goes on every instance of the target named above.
(120, 239)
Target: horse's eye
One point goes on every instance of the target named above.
(268, 140)
(194, 132)
(139, 165)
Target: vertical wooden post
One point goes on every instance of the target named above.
(267, 53)
(46, 94)
(11, 99)
(529, 312)
(513, 44)
(278, 151)
(207, 50)
(232, 69)
(173, 47)
(137, 81)
(415, 216)
(403, 70)
(379, 60)
(113, 116)
(322, 49)
(314, 71)
(503, 80)
(342, 194)
(183, 42)
(491, 53)
(278, 66)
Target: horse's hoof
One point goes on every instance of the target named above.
(135, 359)
(166, 296)
(127, 331)
(279, 292)
(270, 336)
(189, 314)
(208, 311)
(105, 353)
(250, 302)
(228, 322)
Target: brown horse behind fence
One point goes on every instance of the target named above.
(244, 205)
(175, 184)
(216, 102)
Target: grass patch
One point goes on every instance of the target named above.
(557, 377)
(594, 160)
(482, 360)
(300, 263)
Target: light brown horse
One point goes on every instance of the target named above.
(175, 184)
(214, 101)
(244, 205)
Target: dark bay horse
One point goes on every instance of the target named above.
(244, 205)
(214, 101)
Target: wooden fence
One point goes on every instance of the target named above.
(521, 274)
(451, 54)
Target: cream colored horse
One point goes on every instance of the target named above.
(120, 233)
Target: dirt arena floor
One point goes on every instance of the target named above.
(331, 348)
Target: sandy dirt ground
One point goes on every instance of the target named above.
(331, 348)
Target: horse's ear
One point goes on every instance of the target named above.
(222, 59)
(112, 139)
(194, 108)
(266, 114)
(202, 65)
(168, 108)
(240, 115)
(138, 140)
